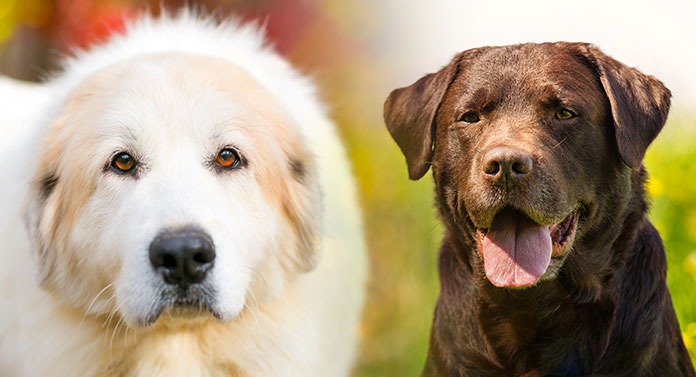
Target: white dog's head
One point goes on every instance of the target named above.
(169, 182)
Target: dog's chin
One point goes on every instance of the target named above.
(178, 306)
(182, 313)
(520, 252)
(192, 309)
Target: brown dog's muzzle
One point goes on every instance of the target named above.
(523, 230)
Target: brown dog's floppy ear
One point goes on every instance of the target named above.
(639, 105)
(410, 116)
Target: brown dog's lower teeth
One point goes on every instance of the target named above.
(559, 232)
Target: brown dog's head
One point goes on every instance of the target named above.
(532, 147)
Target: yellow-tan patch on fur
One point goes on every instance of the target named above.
(65, 155)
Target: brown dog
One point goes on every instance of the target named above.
(536, 152)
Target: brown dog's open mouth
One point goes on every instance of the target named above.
(516, 250)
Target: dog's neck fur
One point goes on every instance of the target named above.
(564, 326)
(199, 347)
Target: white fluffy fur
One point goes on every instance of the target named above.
(73, 309)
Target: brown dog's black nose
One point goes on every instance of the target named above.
(506, 166)
(183, 256)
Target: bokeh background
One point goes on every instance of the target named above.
(357, 51)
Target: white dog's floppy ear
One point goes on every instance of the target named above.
(639, 105)
(37, 221)
(56, 195)
(302, 204)
(410, 112)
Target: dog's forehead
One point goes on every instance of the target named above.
(182, 86)
(175, 96)
(528, 70)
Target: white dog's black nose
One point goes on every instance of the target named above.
(182, 256)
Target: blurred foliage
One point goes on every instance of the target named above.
(403, 235)
(326, 38)
(671, 162)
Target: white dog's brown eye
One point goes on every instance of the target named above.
(564, 114)
(123, 162)
(470, 117)
(228, 158)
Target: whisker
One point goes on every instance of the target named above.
(254, 309)
(113, 334)
(559, 143)
(265, 282)
(254, 313)
(112, 313)
(94, 300)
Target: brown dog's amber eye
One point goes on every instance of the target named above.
(470, 117)
(564, 114)
(228, 158)
(123, 162)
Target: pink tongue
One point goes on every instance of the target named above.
(516, 251)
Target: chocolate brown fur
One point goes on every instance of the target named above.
(603, 308)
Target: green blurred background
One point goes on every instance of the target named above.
(332, 40)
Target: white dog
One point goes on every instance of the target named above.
(176, 203)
